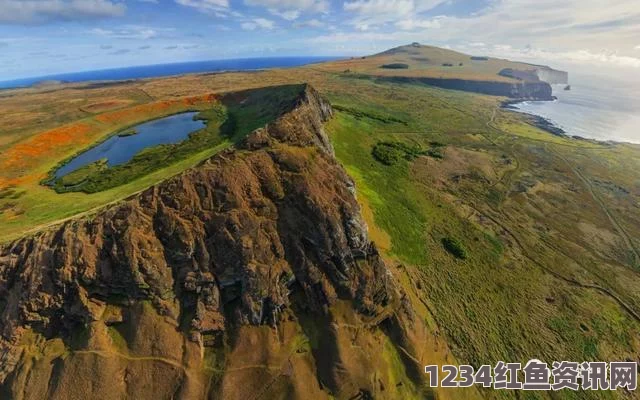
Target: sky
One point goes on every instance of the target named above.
(41, 37)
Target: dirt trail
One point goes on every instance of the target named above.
(608, 292)
(614, 221)
(109, 354)
(558, 275)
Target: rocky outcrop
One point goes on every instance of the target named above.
(552, 76)
(227, 244)
(523, 90)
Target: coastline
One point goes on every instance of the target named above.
(548, 125)
(541, 122)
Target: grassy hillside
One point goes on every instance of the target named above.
(427, 61)
(529, 285)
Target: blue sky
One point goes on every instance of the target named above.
(39, 37)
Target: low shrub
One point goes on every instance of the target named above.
(395, 66)
(386, 154)
(454, 247)
(386, 119)
(390, 153)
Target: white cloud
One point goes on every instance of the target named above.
(28, 11)
(570, 24)
(426, 5)
(380, 41)
(258, 23)
(291, 10)
(573, 30)
(129, 32)
(388, 8)
(358, 37)
(206, 6)
(411, 24)
(321, 6)
(404, 13)
(573, 56)
(290, 15)
(312, 23)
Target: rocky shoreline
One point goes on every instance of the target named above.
(549, 126)
(536, 120)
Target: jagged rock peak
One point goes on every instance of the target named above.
(230, 242)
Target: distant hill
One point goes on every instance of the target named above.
(434, 62)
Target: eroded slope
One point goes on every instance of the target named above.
(231, 280)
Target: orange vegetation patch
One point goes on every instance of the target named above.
(145, 110)
(23, 154)
(16, 162)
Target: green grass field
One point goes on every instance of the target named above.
(499, 301)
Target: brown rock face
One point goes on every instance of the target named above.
(230, 243)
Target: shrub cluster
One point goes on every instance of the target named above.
(454, 247)
(395, 66)
(390, 153)
(386, 119)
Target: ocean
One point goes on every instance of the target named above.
(153, 71)
(596, 107)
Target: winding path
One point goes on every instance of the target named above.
(606, 291)
(616, 224)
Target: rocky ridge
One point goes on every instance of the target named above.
(227, 244)
(523, 90)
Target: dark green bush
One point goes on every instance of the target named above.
(386, 119)
(390, 153)
(395, 66)
(454, 247)
(386, 154)
(435, 153)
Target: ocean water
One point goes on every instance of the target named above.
(596, 107)
(121, 149)
(152, 71)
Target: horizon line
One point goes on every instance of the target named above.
(14, 83)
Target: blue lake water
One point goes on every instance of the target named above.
(121, 149)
